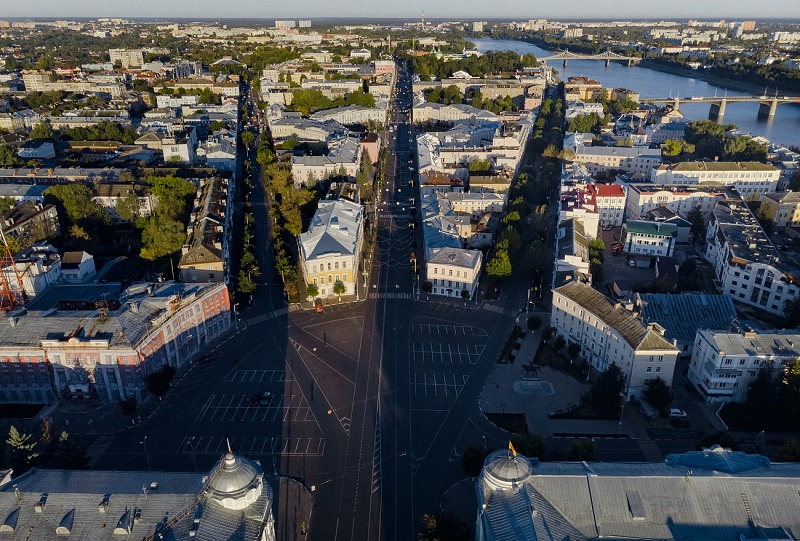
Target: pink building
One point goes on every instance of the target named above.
(88, 341)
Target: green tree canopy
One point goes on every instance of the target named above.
(77, 202)
(128, 207)
(607, 390)
(658, 394)
(42, 130)
(161, 236)
(499, 266)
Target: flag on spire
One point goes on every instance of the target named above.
(511, 448)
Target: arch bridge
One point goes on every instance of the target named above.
(767, 109)
(606, 56)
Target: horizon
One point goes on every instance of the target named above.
(361, 9)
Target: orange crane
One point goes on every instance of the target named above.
(10, 298)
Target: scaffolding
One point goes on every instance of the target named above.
(10, 298)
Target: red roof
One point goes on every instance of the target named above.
(607, 190)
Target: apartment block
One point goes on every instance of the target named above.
(609, 333)
(725, 364)
(751, 179)
(635, 160)
(642, 198)
(746, 264)
(649, 238)
(129, 58)
(206, 254)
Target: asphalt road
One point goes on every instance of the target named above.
(371, 402)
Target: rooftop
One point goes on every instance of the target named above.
(206, 228)
(762, 343)
(718, 166)
(659, 229)
(71, 312)
(682, 315)
(615, 316)
(334, 229)
(458, 257)
(714, 495)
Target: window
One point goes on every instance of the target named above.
(658, 369)
(329, 266)
(649, 368)
(336, 265)
(344, 264)
(451, 272)
(435, 270)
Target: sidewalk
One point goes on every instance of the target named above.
(506, 392)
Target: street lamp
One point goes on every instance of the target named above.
(236, 317)
(147, 456)
(194, 458)
(622, 410)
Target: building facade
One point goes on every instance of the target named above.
(636, 160)
(642, 198)
(751, 179)
(330, 250)
(93, 343)
(649, 238)
(725, 364)
(746, 264)
(454, 272)
(608, 333)
(784, 207)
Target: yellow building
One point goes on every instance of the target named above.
(331, 248)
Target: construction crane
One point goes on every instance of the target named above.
(10, 298)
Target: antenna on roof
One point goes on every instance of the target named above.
(229, 445)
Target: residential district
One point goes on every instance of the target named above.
(321, 280)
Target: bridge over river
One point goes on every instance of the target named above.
(767, 109)
(607, 56)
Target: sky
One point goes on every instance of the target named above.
(453, 9)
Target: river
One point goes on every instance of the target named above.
(784, 128)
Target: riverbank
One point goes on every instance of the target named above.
(703, 75)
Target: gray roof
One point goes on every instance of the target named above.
(208, 225)
(110, 505)
(642, 227)
(49, 317)
(615, 316)
(711, 495)
(29, 191)
(335, 229)
(683, 315)
(459, 257)
(784, 344)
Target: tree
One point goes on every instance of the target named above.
(607, 390)
(245, 283)
(128, 207)
(312, 291)
(581, 450)
(8, 155)
(207, 96)
(658, 394)
(695, 217)
(129, 406)
(560, 343)
(159, 382)
(766, 218)
(573, 350)
(339, 289)
(534, 322)
(472, 459)
(173, 195)
(7, 203)
(247, 138)
(788, 452)
(529, 445)
(794, 181)
(443, 528)
(42, 130)
(427, 286)
(69, 455)
(499, 266)
(478, 165)
(22, 449)
(78, 233)
(77, 201)
(161, 236)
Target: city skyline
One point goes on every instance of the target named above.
(679, 9)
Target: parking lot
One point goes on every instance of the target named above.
(241, 408)
(263, 445)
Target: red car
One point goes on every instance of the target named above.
(617, 247)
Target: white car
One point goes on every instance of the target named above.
(677, 413)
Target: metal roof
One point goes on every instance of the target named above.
(683, 315)
(661, 229)
(334, 229)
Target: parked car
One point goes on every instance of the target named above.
(265, 399)
(617, 247)
(677, 413)
(608, 227)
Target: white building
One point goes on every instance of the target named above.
(642, 198)
(666, 131)
(608, 333)
(452, 271)
(785, 208)
(747, 266)
(608, 201)
(180, 146)
(363, 54)
(437, 112)
(649, 238)
(631, 160)
(577, 108)
(751, 179)
(343, 156)
(176, 100)
(39, 150)
(330, 250)
(351, 114)
(129, 58)
(725, 364)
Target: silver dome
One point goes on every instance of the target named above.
(235, 482)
